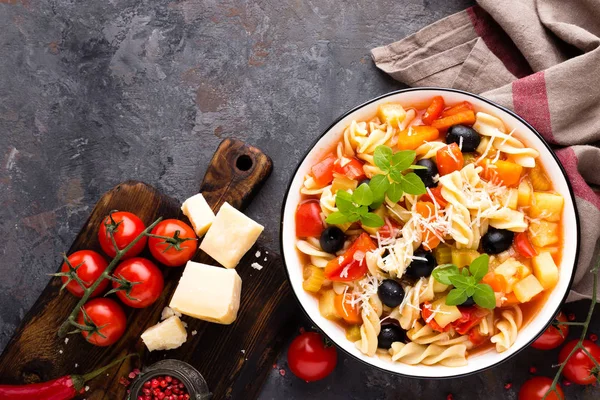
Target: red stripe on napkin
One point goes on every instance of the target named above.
(499, 42)
(569, 160)
(530, 101)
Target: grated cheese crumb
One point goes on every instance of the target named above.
(66, 340)
(256, 266)
(60, 351)
(194, 332)
(257, 254)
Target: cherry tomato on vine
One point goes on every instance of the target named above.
(89, 265)
(553, 336)
(125, 227)
(138, 282)
(309, 358)
(537, 387)
(580, 368)
(180, 246)
(105, 318)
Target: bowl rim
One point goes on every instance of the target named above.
(433, 88)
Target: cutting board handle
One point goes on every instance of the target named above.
(235, 174)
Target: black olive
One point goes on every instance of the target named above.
(390, 293)
(497, 240)
(470, 137)
(332, 239)
(427, 174)
(468, 302)
(389, 334)
(421, 268)
(367, 181)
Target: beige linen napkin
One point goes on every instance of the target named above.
(540, 58)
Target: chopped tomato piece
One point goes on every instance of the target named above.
(471, 316)
(460, 107)
(461, 118)
(308, 219)
(427, 210)
(414, 136)
(437, 195)
(323, 171)
(352, 265)
(449, 159)
(506, 172)
(496, 281)
(426, 313)
(349, 313)
(523, 245)
(388, 230)
(434, 110)
(353, 169)
(477, 338)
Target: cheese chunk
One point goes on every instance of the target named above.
(208, 293)
(199, 213)
(166, 335)
(231, 235)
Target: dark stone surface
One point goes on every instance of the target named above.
(96, 92)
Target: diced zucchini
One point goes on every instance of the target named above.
(524, 192)
(391, 113)
(353, 333)
(539, 180)
(327, 305)
(527, 289)
(313, 278)
(543, 233)
(463, 257)
(445, 314)
(545, 270)
(443, 254)
(547, 206)
(342, 182)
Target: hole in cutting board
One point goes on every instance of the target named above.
(243, 162)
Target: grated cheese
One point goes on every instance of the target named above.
(256, 266)
(460, 143)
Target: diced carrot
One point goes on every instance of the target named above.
(460, 107)
(462, 118)
(437, 195)
(414, 136)
(506, 172)
(434, 110)
(323, 171)
(449, 159)
(496, 281)
(426, 209)
(350, 313)
(511, 300)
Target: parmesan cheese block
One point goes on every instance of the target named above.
(199, 213)
(231, 235)
(208, 293)
(166, 335)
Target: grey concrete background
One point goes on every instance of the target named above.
(96, 92)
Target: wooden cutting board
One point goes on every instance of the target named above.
(234, 359)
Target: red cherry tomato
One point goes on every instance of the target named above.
(309, 359)
(90, 265)
(579, 368)
(553, 336)
(537, 387)
(434, 110)
(177, 250)
(353, 169)
(149, 286)
(523, 245)
(322, 172)
(107, 317)
(125, 226)
(308, 219)
(449, 159)
(352, 265)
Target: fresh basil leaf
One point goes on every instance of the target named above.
(372, 220)
(459, 281)
(465, 271)
(471, 280)
(363, 195)
(412, 184)
(343, 201)
(362, 210)
(382, 156)
(336, 218)
(442, 273)
(401, 160)
(470, 291)
(376, 204)
(379, 184)
(342, 194)
(353, 217)
(396, 175)
(479, 267)
(417, 167)
(456, 297)
(484, 296)
(395, 192)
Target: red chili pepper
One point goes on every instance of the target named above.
(64, 388)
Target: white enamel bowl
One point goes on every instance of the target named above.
(524, 132)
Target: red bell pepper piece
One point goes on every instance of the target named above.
(352, 265)
(523, 245)
(322, 171)
(353, 169)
